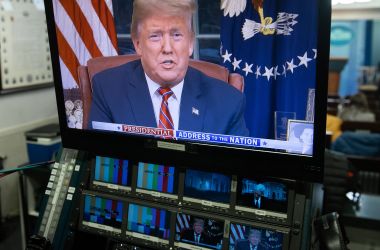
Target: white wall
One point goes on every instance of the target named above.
(20, 112)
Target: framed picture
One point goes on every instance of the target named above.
(25, 61)
(302, 133)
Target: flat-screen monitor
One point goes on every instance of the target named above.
(111, 174)
(197, 232)
(157, 180)
(207, 188)
(262, 197)
(102, 214)
(273, 124)
(248, 237)
(148, 223)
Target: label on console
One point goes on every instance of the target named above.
(206, 203)
(111, 186)
(188, 246)
(147, 237)
(170, 145)
(157, 194)
(262, 212)
(102, 227)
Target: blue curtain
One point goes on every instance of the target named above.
(279, 68)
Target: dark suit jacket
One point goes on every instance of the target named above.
(265, 203)
(244, 245)
(121, 95)
(189, 235)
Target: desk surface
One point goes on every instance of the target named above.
(365, 215)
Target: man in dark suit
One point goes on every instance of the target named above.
(259, 200)
(196, 234)
(252, 243)
(133, 93)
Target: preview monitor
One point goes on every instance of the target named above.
(148, 223)
(207, 188)
(263, 197)
(197, 232)
(112, 105)
(248, 237)
(102, 214)
(111, 174)
(157, 180)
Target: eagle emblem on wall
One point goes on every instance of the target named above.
(283, 25)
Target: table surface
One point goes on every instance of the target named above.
(367, 214)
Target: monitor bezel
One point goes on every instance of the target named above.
(99, 230)
(144, 238)
(107, 186)
(285, 231)
(157, 195)
(197, 202)
(226, 159)
(249, 212)
(194, 213)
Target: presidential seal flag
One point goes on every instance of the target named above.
(273, 44)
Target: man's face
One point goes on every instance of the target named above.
(254, 237)
(164, 44)
(307, 136)
(198, 227)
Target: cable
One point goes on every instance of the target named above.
(6, 172)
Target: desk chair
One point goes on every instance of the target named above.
(96, 65)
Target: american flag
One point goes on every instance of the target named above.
(182, 222)
(85, 29)
(236, 233)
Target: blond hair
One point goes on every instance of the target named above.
(146, 8)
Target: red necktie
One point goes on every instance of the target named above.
(165, 119)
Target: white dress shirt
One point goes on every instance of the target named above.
(173, 102)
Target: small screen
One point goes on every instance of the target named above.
(158, 178)
(243, 237)
(199, 231)
(207, 186)
(112, 171)
(102, 213)
(150, 221)
(264, 195)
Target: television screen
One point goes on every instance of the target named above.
(264, 101)
(206, 233)
(148, 221)
(153, 178)
(203, 187)
(102, 213)
(112, 173)
(256, 194)
(251, 237)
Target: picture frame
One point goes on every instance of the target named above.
(25, 61)
(301, 132)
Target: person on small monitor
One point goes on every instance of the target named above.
(160, 89)
(196, 234)
(259, 200)
(305, 135)
(252, 243)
